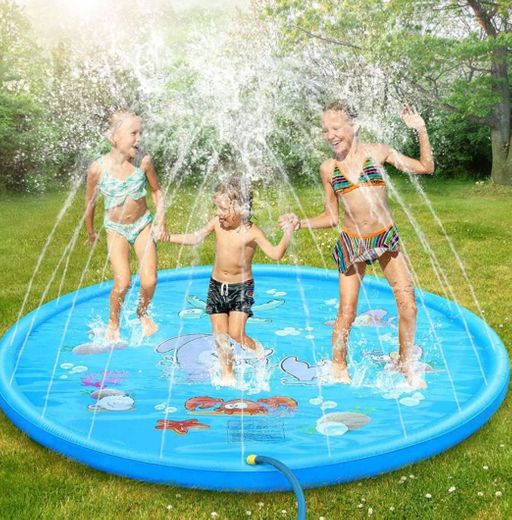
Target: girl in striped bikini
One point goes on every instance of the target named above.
(356, 178)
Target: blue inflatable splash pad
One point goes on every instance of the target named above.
(151, 408)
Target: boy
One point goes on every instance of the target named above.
(231, 288)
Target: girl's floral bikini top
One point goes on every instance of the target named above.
(116, 190)
(370, 175)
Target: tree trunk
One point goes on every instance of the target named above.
(501, 135)
(501, 158)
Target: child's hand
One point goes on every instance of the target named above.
(160, 233)
(92, 238)
(294, 219)
(411, 117)
(289, 220)
(288, 227)
(284, 220)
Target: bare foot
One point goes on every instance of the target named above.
(149, 327)
(112, 334)
(413, 378)
(339, 374)
(259, 351)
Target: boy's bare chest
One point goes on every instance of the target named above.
(233, 240)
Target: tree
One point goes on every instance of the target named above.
(21, 116)
(451, 54)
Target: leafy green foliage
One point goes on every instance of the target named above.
(437, 54)
(461, 147)
(22, 122)
(55, 99)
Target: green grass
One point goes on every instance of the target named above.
(38, 483)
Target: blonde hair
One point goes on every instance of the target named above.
(115, 121)
(239, 193)
(343, 106)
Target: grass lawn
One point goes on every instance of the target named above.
(38, 483)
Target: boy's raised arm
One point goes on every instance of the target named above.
(190, 239)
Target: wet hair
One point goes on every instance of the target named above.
(342, 106)
(116, 119)
(239, 193)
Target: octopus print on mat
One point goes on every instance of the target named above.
(150, 408)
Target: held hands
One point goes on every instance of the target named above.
(411, 117)
(160, 232)
(289, 222)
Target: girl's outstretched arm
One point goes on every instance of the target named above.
(156, 192)
(329, 217)
(423, 165)
(274, 252)
(93, 176)
(191, 239)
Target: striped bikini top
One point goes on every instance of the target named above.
(371, 175)
(116, 190)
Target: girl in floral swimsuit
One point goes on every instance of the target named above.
(355, 177)
(127, 220)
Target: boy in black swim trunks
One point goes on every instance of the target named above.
(231, 289)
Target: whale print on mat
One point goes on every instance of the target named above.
(196, 353)
(390, 361)
(371, 318)
(302, 371)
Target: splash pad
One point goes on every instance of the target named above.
(147, 409)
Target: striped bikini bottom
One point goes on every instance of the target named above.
(351, 248)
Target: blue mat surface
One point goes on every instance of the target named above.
(152, 408)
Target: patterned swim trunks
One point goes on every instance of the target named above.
(226, 297)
